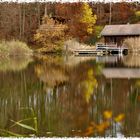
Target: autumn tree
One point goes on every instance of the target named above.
(81, 19)
(88, 18)
(50, 35)
(121, 13)
(85, 22)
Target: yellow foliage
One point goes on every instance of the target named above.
(88, 17)
(90, 72)
(50, 35)
(119, 118)
(137, 83)
(37, 36)
(107, 114)
(90, 84)
(94, 128)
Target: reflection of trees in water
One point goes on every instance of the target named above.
(60, 108)
(132, 60)
(121, 96)
(73, 96)
(15, 92)
(71, 104)
(51, 74)
(14, 63)
(132, 122)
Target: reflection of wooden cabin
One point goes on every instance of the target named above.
(117, 33)
(121, 73)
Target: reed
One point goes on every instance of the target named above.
(22, 124)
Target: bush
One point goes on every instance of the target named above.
(50, 35)
(132, 43)
(12, 48)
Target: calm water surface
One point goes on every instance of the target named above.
(70, 96)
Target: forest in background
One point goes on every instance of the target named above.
(20, 21)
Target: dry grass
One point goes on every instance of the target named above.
(73, 44)
(13, 48)
(132, 43)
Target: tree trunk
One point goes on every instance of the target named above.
(23, 27)
(110, 16)
(20, 21)
(38, 14)
(46, 10)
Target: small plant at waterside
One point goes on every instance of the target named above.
(13, 48)
(50, 35)
(21, 123)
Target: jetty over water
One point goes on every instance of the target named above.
(102, 49)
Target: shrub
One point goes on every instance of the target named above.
(50, 35)
(132, 43)
(12, 48)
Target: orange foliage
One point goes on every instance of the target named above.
(74, 12)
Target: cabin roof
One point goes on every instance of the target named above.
(121, 30)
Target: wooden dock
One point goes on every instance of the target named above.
(89, 52)
(102, 50)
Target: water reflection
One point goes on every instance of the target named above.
(14, 63)
(72, 96)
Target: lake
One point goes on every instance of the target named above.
(68, 96)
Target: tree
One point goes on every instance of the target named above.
(50, 35)
(88, 18)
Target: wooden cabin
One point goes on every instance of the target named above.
(115, 34)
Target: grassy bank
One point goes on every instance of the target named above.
(14, 48)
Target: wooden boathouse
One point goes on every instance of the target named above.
(115, 34)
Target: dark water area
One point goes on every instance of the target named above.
(68, 96)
